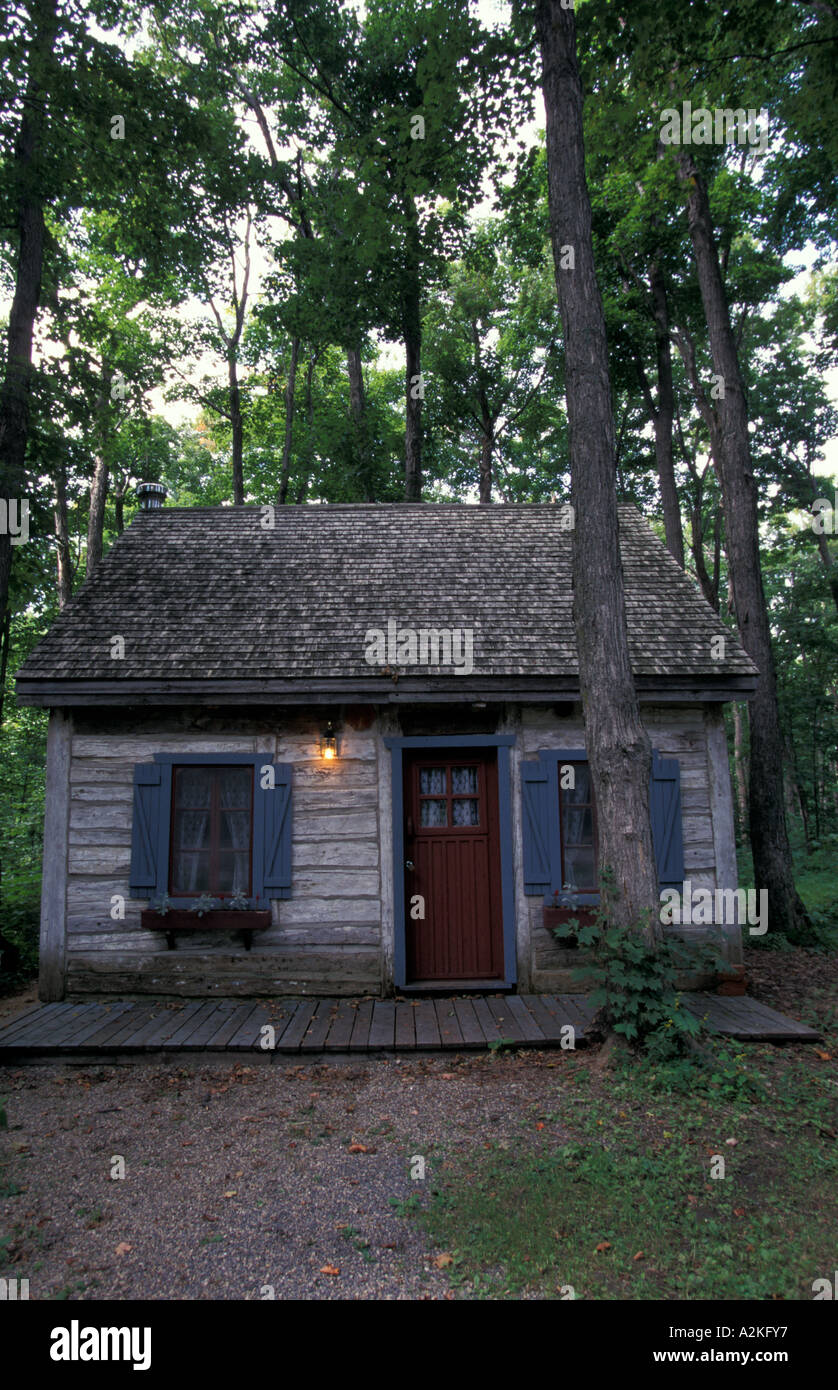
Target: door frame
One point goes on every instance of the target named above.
(429, 743)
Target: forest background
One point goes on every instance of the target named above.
(299, 252)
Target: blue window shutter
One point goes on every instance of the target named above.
(149, 875)
(272, 833)
(535, 784)
(665, 812)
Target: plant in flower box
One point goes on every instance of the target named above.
(565, 915)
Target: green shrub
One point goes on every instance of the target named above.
(633, 986)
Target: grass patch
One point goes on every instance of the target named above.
(615, 1197)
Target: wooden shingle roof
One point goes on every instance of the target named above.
(213, 603)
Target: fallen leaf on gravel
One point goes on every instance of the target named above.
(731, 1141)
(442, 1261)
(330, 1269)
(233, 1193)
(639, 1256)
(738, 1211)
(447, 1075)
(185, 1143)
(539, 1124)
(602, 1247)
(824, 1056)
(360, 1149)
(123, 1248)
(207, 1217)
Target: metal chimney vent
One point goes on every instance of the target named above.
(151, 496)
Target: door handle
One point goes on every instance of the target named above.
(409, 864)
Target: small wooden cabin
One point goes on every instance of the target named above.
(354, 735)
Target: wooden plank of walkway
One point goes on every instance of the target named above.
(318, 1029)
(35, 1025)
(427, 1028)
(62, 1028)
(383, 1025)
(161, 1014)
(566, 1010)
(486, 1019)
(529, 1026)
(550, 1026)
(361, 1026)
(219, 1039)
(449, 1028)
(508, 1025)
(130, 1024)
(472, 1034)
(159, 1030)
(405, 1026)
(294, 1032)
(739, 1016)
(92, 1031)
(340, 1033)
(210, 1025)
(24, 1019)
(249, 1033)
(94, 1023)
(187, 1027)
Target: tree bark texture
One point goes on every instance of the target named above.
(665, 417)
(619, 751)
(16, 387)
(773, 867)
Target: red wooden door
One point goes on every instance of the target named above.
(452, 854)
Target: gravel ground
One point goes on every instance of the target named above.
(240, 1177)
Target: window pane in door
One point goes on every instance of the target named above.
(433, 813)
(432, 781)
(465, 811)
(463, 780)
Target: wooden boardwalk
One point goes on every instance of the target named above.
(125, 1028)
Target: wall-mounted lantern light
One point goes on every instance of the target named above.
(329, 743)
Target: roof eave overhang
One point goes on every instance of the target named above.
(448, 689)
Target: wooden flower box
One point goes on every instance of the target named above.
(181, 919)
(558, 916)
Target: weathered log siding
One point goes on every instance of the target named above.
(335, 934)
(325, 939)
(690, 734)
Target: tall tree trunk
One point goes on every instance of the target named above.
(101, 477)
(773, 866)
(96, 515)
(739, 768)
(5, 643)
(619, 751)
(238, 430)
(664, 418)
(487, 448)
(25, 174)
(290, 396)
(356, 385)
(413, 362)
(357, 410)
(119, 507)
(63, 553)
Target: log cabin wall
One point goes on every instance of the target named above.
(335, 934)
(692, 733)
(325, 939)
